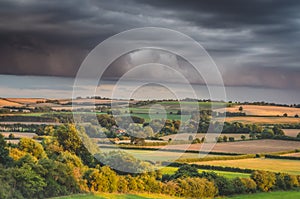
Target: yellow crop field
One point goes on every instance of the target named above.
(265, 110)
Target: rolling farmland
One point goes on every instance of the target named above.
(246, 147)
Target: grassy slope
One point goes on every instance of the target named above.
(271, 195)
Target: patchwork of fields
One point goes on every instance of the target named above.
(244, 147)
(265, 110)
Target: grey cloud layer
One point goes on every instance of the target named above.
(255, 43)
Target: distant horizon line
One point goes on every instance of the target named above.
(132, 80)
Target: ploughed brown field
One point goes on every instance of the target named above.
(243, 147)
(265, 110)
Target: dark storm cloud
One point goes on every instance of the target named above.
(257, 41)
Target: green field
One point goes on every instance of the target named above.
(227, 174)
(271, 195)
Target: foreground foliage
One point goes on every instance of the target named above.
(61, 165)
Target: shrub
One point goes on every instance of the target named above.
(265, 180)
(196, 187)
(249, 184)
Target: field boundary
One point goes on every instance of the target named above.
(210, 167)
(282, 157)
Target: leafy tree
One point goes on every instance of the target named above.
(68, 138)
(29, 183)
(33, 147)
(249, 184)
(7, 182)
(186, 171)
(240, 108)
(265, 180)
(52, 146)
(196, 187)
(267, 133)
(243, 137)
(59, 178)
(243, 185)
(102, 180)
(16, 153)
(225, 138)
(170, 188)
(123, 162)
(11, 136)
(286, 181)
(123, 184)
(132, 183)
(5, 159)
(277, 131)
(138, 134)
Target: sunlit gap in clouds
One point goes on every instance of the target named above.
(58, 87)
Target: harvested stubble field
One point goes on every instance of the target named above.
(265, 110)
(185, 136)
(291, 132)
(26, 100)
(19, 134)
(4, 102)
(263, 120)
(292, 155)
(244, 147)
(274, 165)
(159, 155)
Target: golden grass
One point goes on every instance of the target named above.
(4, 102)
(26, 100)
(275, 165)
(292, 155)
(265, 110)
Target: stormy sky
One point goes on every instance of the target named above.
(254, 43)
